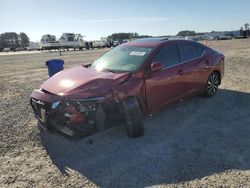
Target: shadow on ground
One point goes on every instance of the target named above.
(189, 140)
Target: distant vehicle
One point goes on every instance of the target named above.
(32, 46)
(6, 49)
(125, 40)
(240, 37)
(48, 38)
(66, 41)
(100, 44)
(134, 79)
(71, 40)
(116, 43)
(225, 38)
(48, 42)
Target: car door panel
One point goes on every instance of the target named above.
(165, 86)
(195, 66)
(169, 84)
(200, 73)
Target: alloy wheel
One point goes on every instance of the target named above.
(213, 84)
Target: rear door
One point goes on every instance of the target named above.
(191, 61)
(166, 85)
(202, 67)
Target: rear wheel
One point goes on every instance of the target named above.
(212, 84)
(133, 117)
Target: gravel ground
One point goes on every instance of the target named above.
(196, 143)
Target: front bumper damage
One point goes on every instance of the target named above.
(70, 116)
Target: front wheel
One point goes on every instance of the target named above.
(212, 84)
(133, 117)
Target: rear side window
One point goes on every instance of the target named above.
(168, 55)
(200, 49)
(187, 52)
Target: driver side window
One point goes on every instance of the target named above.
(168, 56)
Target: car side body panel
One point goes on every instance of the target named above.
(164, 86)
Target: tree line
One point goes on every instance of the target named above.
(122, 36)
(187, 33)
(14, 40)
(245, 30)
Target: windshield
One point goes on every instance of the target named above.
(122, 59)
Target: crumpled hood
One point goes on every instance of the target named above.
(81, 82)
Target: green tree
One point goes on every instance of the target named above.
(246, 25)
(1, 43)
(241, 30)
(121, 36)
(186, 33)
(24, 40)
(10, 40)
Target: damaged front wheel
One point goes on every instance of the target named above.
(133, 117)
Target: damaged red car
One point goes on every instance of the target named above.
(130, 81)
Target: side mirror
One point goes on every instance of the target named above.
(156, 66)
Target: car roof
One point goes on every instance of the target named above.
(153, 42)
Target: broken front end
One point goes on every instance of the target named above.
(72, 116)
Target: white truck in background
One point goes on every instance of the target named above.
(100, 44)
(70, 41)
(48, 42)
(66, 41)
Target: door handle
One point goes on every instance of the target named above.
(180, 72)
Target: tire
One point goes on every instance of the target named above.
(212, 84)
(133, 117)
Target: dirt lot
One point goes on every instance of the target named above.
(196, 143)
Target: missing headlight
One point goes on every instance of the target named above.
(55, 105)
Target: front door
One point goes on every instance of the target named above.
(166, 85)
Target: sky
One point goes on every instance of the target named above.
(100, 18)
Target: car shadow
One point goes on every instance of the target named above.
(189, 140)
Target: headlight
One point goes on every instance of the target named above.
(55, 104)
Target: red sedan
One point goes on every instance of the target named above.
(132, 80)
